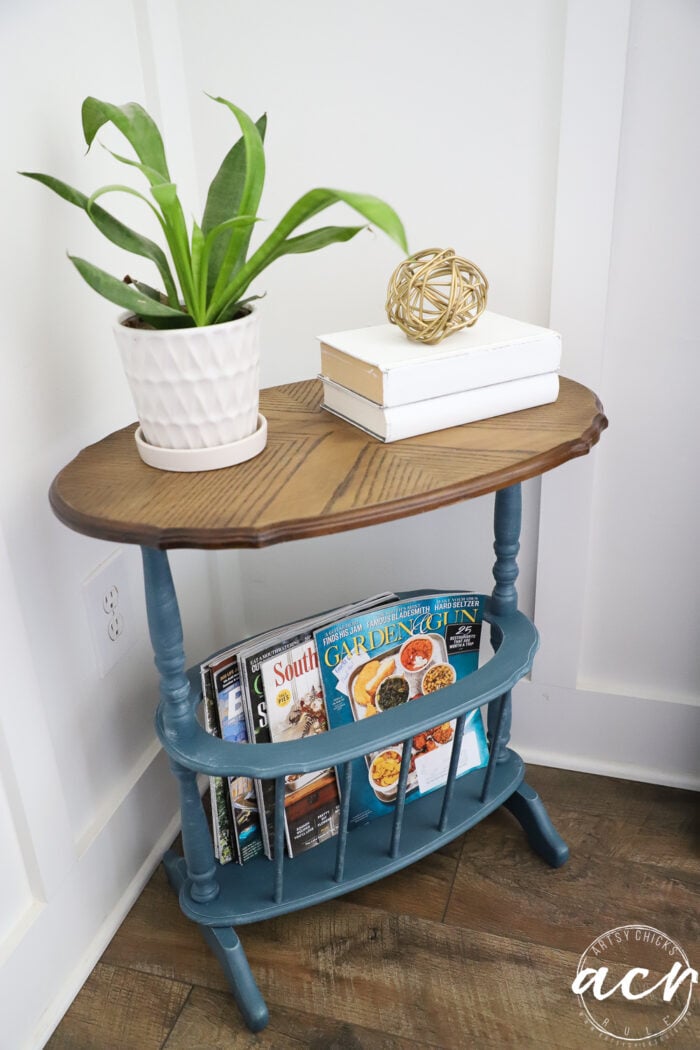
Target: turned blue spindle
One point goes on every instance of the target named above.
(506, 530)
(507, 518)
(165, 628)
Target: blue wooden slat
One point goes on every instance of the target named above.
(452, 772)
(341, 845)
(400, 798)
(278, 855)
(496, 742)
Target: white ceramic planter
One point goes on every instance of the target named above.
(194, 388)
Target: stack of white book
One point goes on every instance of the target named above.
(393, 388)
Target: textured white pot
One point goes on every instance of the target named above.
(194, 388)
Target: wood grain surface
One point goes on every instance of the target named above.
(317, 475)
(474, 948)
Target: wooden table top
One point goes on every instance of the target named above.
(317, 475)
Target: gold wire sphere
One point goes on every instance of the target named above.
(434, 293)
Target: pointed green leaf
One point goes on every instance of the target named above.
(175, 228)
(135, 124)
(238, 306)
(154, 177)
(224, 200)
(226, 189)
(119, 187)
(114, 230)
(316, 239)
(253, 180)
(146, 289)
(199, 277)
(372, 208)
(129, 297)
(213, 237)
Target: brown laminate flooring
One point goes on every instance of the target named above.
(473, 947)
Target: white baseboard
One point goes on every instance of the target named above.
(64, 938)
(608, 734)
(641, 774)
(78, 976)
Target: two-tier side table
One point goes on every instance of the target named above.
(320, 475)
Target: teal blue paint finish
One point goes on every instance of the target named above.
(507, 517)
(197, 750)
(248, 892)
(528, 808)
(218, 897)
(227, 948)
(176, 708)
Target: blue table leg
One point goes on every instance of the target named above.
(525, 804)
(528, 808)
(198, 868)
(226, 946)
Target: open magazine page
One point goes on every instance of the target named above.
(372, 662)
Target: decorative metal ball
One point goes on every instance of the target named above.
(434, 293)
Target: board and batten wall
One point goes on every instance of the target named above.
(616, 686)
(494, 169)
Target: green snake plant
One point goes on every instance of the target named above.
(206, 270)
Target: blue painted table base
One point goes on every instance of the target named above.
(226, 946)
(212, 896)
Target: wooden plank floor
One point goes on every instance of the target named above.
(474, 947)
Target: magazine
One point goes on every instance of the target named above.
(289, 678)
(283, 700)
(246, 835)
(372, 662)
(220, 814)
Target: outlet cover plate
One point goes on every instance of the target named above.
(107, 598)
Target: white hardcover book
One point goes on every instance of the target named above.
(438, 413)
(383, 365)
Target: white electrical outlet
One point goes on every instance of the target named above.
(109, 610)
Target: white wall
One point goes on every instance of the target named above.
(616, 688)
(650, 378)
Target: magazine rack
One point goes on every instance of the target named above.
(319, 475)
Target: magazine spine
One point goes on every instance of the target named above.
(226, 782)
(258, 733)
(220, 808)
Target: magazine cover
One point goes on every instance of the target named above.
(269, 646)
(245, 822)
(291, 684)
(372, 662)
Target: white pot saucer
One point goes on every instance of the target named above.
(192, 459)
